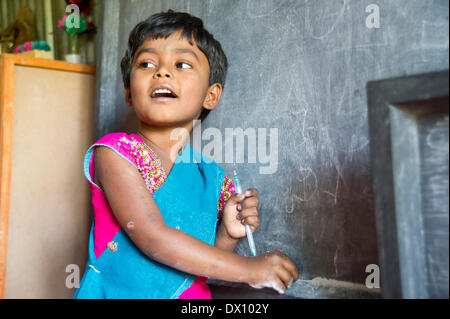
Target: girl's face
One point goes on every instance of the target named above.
(169, 82)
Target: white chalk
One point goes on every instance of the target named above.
(248, 229)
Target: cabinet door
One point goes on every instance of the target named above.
(49, 199)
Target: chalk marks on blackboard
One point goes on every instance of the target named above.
(297, 188)
(335, 261)
(429, 38)
(308, 182)
(263, 8)
(328, 20)
(210, 6)
(335, 194)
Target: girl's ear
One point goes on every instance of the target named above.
(127, 93)
(213, 96)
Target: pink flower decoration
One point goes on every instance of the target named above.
(61, 22)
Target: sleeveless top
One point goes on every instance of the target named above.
(195, 190)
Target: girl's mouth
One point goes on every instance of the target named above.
(163, 93)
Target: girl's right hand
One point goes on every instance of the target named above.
(272, 270)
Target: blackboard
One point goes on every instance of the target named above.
(300, 67)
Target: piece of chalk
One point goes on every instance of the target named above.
(248, 229)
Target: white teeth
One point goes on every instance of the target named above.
(159, 91)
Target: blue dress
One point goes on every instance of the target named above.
(188, 201)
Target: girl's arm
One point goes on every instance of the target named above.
(138, 214)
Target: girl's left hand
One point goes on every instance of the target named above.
(239, 210)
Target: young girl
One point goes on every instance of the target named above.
(157, 201)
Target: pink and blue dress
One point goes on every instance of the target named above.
(191, 198)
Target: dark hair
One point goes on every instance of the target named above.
(162, 25)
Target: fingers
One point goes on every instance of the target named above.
(279, 286)
(291, 268)
(251, 192)
(280, 271)
(253, 222)
(250, 202)
(286, 271)
(285, 276)
(235, 199)
(247, 199)
(249, 216)
(247, 205)
(248, 208)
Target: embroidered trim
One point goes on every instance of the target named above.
(152, 172)
(112, 246)
(225, 193)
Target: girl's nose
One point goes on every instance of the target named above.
(162, 72)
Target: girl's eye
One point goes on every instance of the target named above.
(147, 65)
(184, 65)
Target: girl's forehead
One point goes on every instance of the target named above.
(176, 38)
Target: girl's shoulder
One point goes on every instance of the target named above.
(132, 148)
(126, 144)
(117, 139)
